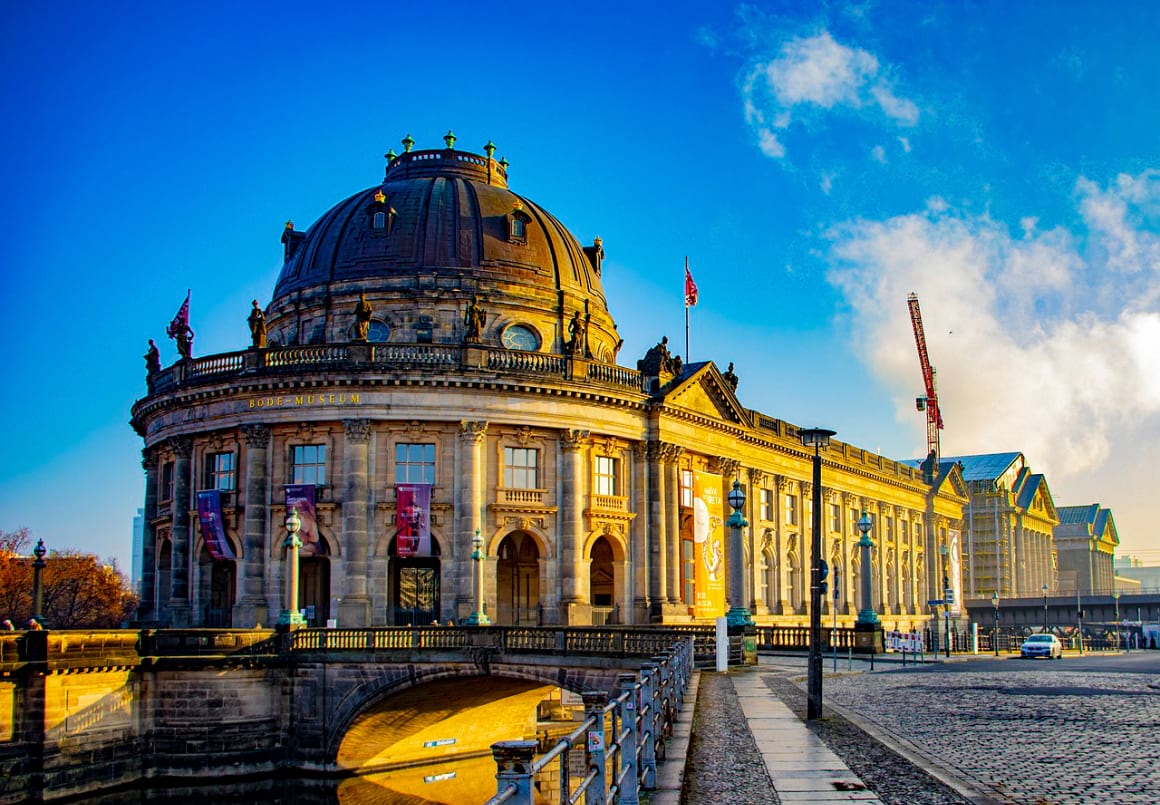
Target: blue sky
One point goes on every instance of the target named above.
(815, 164)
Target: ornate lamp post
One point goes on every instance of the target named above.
(1116, 598)
(738, 615)
(38, 565)
(290, 617)
(1045, 591)
(995, 631)
(867, 628)
(816, 438)
(479, 617)
(942, 549)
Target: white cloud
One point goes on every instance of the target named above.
(878, 154)
(769, 144)
(1037, 346)
(905, 143)
(818, 73)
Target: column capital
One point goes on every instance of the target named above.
(182, 446)
(756, 476)
(725, 467)
(149, 459)
(472, 430)
(256, 435)
(640, 450)
(357, 430)
(572, 440)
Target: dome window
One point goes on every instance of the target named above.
(522, 338)
(382, 215)
(517, 224)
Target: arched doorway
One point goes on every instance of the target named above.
(517, 581)
(216, 590)
(164, 575)
(602, 583)
(314, 582)
(414, 586)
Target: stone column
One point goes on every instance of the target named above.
(179, 607)
(641, 564)
(469, 509)
(757, 602)
(785, 605)
(673, 512)
(658, 583)
(147, 608)
(355, 608)
(253, 607)
(574, 608)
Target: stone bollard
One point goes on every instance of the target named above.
(594, 702)
(513, 760)
(628, 770)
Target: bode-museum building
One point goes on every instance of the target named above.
(438, 364)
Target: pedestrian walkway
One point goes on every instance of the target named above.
(802, 768)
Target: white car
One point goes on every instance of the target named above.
(1041, 645)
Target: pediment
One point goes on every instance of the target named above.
(706, 392)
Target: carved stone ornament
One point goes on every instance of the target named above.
(256, 435)
(725, 467)
(671, 453)
(149, 460)
(756, 476)
(785, 484)
(306, 430)
(807, 488)
(414, 429)
(524, 435)
(766, 540)
(472, 430)
(791, 543)
(215, 441)
(357, 430)
(572, 439)
(640, 450)
(181, 446)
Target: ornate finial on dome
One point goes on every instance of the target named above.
(408, 144)
(598, 241)
(290, 225)
(380, 197)
(489, 149)
(391, 156)
(503, 163)
(518, 205)
(449, 138)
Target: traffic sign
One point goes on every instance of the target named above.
(935, 602)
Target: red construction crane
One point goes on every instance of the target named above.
(929, 401)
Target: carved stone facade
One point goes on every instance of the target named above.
(576, 472)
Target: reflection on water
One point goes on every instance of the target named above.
(461, 782)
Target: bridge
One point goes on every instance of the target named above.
(93, 709)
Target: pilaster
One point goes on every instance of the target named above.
(469, 508)
(253, 607)
(575, 608)
(355, 608)
(179, 607)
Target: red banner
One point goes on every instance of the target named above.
(209, 515)
(413, 519)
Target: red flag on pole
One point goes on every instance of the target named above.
(180, 323)
(690, 288)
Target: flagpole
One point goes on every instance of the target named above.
(688, 358)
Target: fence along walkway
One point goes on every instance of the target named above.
(638, 721)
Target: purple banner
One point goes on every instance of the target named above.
(209, 514)
(301, 497)
(413, 508)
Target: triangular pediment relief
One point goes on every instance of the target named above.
(706, 392)
(950, 482)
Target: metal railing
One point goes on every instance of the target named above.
(622, 739)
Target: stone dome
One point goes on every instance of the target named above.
(441, 228)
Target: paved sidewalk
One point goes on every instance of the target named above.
(803, 769)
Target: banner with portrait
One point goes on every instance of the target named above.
(708, 546)
(209, 516)
(300, 497)
(413, 519)
(955, 578)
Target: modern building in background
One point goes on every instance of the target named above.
(138, 546)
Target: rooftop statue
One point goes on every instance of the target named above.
(362, 317)
(257, 322)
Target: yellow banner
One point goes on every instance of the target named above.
(708, 546)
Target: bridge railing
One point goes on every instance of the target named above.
(622, 739)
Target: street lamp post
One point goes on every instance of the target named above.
(38, 565)
(1116, 598)
(1079, 618)
(1045, 591)
(995, 631)
(867, 617)
(479, 617)
(942, 549)
(816, 438)
(738, 615)
(290, 617)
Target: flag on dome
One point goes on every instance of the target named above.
(690, 287)
(180, 323)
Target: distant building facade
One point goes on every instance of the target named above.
(439, 332)
(1086, 540)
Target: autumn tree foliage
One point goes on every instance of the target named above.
(80, 591)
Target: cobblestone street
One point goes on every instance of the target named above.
(1042, 737)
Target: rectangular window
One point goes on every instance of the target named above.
(688, 571)
(167, 481)
(308, 464)
(520, 465)
(605, 476)
(415, 464)
(791, 509)
(854, 518)
(835, 517)
(687, 488)
(767, 504)
(219, 471)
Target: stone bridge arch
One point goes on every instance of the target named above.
(353, 689)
